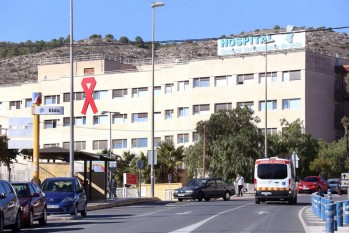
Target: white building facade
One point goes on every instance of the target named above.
(300, 84)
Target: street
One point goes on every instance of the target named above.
(237, 215)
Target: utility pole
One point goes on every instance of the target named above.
(204, 153)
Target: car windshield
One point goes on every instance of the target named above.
(58, 186)
(333, 181)
(196, 183)
(272, 171)
(21, 190)
(311, 179)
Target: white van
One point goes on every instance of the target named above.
(274, 180)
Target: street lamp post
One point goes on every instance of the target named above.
(153, 5)
(110, 140)
(266, 98)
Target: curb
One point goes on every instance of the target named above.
(102, 205)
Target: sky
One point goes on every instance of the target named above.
(23, 20)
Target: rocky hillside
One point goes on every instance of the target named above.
(22, 69)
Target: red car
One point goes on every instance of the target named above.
(311, 184)
(32, 201)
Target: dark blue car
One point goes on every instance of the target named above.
(64, 195)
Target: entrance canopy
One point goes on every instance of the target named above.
(60, 153)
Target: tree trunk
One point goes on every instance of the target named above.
(9, 172)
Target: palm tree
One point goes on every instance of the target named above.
(170, 160)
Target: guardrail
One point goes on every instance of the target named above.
(324, 208)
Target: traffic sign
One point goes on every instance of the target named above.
(345, 176)
(345, 180)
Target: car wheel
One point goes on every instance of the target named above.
(43, 219)
(180, 199)
(207, 199)
(226, 196)
(84, 211)
(30, 219)
(200, 196)
(17, 226)
(257, 201)
(75, 212)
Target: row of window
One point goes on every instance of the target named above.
(169, 113)
(138, 142)
(169, 88)
(122, 143)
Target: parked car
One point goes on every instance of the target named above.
(311, 184)
(33, 202)
(10, 209)
(335, 186)
(205, 188)
(64, 195)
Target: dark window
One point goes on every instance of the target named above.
(272, 171)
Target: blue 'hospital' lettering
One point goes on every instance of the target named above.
(245, 40)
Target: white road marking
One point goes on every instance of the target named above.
(192, 227)
(262, 212)
(188, 212)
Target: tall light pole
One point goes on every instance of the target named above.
(153, 5)
(71, 146)
(266, 98)
(110, 139)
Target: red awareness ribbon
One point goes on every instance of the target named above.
(89, 94)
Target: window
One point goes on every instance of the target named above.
(291, 75)
(223, 106)
(139, 92)
(248, 104)
(100, 144)
(77, 121)
(99, 120)
(76, 96)
(182, 138)
(244, 79)
(271, 105)
(157, 91)
(139, 117)
(139, 142)
(221, 81)
(183, 111)
(168, 88)
(15, 105)
(272, 171)
(201, 109)
(88, 71)
(157, 116)
(99, 95)
(119, 93)
(291, 104)
(183, 85)
(201, 82)
(168, 114)
(48, 145)
(270, 131)
(52, 99)
(119, 143)
(78, 145)
(169, 138)
(28, 103)
(50, 124)
(119, 118)
(157, 141)
(271, 77)
(196, 137)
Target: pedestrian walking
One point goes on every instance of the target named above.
(240, 181)
(112, 187)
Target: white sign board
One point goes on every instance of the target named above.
(256, 44)
(49, 110)
(345, 180)
(155, 157)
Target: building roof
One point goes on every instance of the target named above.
(60, 153)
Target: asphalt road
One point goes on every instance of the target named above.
(216, 216)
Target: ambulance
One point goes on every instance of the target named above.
(275, 180)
